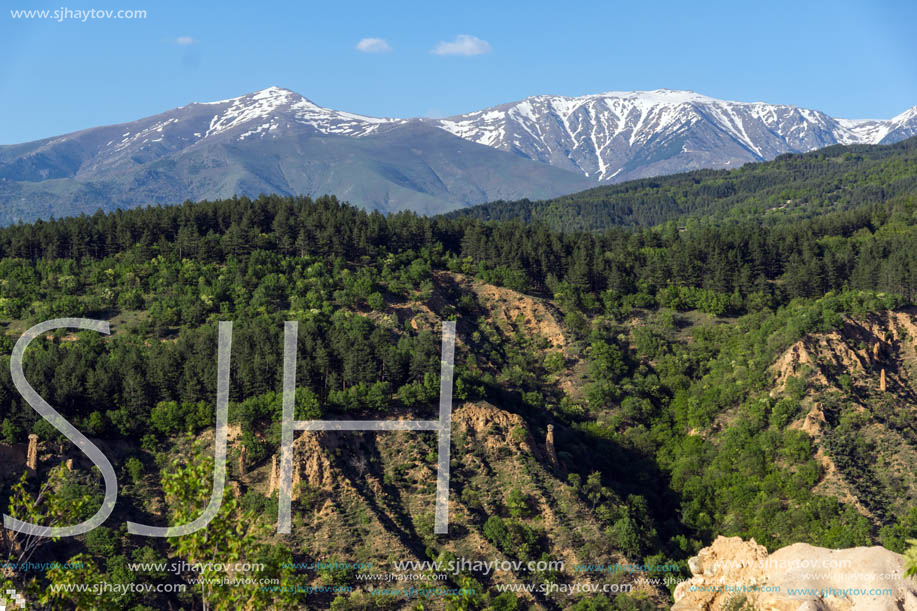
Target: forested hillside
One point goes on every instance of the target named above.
(663, 360)
(790, 188)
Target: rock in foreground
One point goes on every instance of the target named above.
(734, 574)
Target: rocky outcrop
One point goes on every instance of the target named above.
(731, 573)
(865, 346)
(864, 372)
(31, 461)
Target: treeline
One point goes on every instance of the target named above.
(787, 188)
(113, 388)
(250, 252)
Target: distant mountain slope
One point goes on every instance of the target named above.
(277, 141)
(273, 141)
(788, 188)
(618, 136)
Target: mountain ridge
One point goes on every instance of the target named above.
(273, 141)
(278, 141)
(632, 134)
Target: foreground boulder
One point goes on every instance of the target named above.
(735, 574)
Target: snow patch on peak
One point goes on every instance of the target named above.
(862, 131)
(908, 115)
(273, 91)
(267, 108)
(658, 96)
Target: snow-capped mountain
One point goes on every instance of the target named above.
(272, 114)
(616, 136)
(270, 141)
(269, 113)
(277, 141)
(275, 107)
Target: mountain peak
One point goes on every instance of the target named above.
(668, 130)
(273, 94)
(275, 108)
(907, 115)
(657, 96)
(667, 94)
(278, 95)
(275, 90)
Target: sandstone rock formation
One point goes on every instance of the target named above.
(833, 580)
(31, 461)
(864, 371)
(549, 446)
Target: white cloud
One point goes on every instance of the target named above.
(464, 44)
(373, 45)
(184, 41)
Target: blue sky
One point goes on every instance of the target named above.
(849, 59)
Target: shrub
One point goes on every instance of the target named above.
(102, 541)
